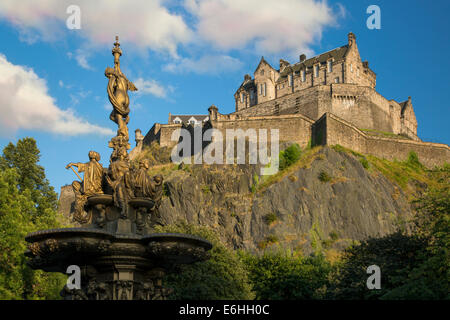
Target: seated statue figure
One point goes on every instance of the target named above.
(145, 185)
(91, 184)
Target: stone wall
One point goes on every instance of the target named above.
(327, 130)
(162, 134)
(295, 128)
(332, 130)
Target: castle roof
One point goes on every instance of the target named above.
(336, 54)
(187, 117)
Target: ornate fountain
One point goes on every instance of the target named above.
(118, 254)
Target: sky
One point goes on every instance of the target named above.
(187, 55)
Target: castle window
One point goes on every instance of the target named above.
(303, 75)
(260, 89)
(316, 70)
(351, 67)
(264, 89)
(330, 66)
(336, 80)
(242, 97)
(289, 80)
(262, 72)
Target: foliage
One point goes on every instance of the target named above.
(394, 254)
(324, 176)
(27, 204)
(24, 158)
(270, 218)
(413, 160)
(206, 189)
(307, 157)
(223, 276)
(278, 276)
(364, 163)
(289, 156)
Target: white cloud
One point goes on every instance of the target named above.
(26, 104)
(81, 57)
(144, 23)
(152, 87)
(208, 64)
(269, 26)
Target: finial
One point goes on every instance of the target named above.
(116, 48)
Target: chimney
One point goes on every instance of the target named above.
(213, 113)
(247, 77)
(351, 39)
(302, 57)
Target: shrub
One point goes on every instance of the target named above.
(324, 176)
(270, 218)
(289, 156)
(364, 163)
(334, 235)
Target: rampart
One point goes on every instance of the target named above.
(332, 130)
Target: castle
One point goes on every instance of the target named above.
(324, 100)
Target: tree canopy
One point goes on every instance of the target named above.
(27, 204)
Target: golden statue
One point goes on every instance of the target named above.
(90, 185)
(118, 86)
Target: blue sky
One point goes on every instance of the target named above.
(186, 55)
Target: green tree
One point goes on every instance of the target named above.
(223, 276)
(24, 157)
(27, 204)
(284, 276)
(429, 279)
(395, 254)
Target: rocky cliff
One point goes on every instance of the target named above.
(327, 199)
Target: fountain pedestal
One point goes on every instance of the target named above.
(114, 266)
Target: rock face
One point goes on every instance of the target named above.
(331, 202)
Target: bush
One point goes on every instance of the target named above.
(289, 156)
(364, 163)
(324, 176)
(270, 218)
